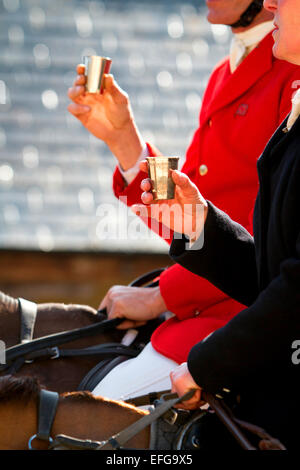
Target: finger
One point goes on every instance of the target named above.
(173, 389)
(195, 398)
(78, 109)
(191, 404)
(184, 406)
(108, 82)
(104, 302)
(126, 324)
(80, 69)
(75, 92)
(146, 185)
(80, 80)
(144, 166)
(147, 198)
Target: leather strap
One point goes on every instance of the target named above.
(88, 379)
(249, 14)
(147, 399)
(117, 441)
(221, 410)
(226, 419)
(104, 349)
(28, 311)
(63, 442)
(47, 410)
(22, 350)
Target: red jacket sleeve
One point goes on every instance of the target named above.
(184, 292)
(132, 191)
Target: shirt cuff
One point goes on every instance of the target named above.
(132, 172)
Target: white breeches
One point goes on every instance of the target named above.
(148, 372)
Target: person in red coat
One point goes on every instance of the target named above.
(247, 96)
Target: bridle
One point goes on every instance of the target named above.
(165, 401)
(249, 14)
(47, 346)
(48, 402)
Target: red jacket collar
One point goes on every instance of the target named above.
(253, 67)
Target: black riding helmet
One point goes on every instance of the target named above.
(248, 16)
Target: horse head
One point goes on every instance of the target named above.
(78, 414)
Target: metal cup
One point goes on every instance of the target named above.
(163, 186)
(95, 67)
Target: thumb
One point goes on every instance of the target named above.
(184, 183)
(103, 303)
(116, 92)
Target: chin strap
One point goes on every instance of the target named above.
(248, 16)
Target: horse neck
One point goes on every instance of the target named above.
(98, 419)
(92, 418)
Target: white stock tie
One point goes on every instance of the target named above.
(295, 112)
(237, 53)
(243, 43)
(239, 49)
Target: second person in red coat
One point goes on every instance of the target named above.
(247, 96)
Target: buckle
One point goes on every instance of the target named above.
(35, 436)
(170, 417)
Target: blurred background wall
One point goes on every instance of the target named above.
(54, 176)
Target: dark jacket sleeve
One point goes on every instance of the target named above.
(257, 338)
(227, 258)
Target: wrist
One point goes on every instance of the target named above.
(199, 217)
(127, 145)
(158, 303)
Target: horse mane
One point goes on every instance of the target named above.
(88, 397)
(24, 389)
(19, 388)
(79, 396)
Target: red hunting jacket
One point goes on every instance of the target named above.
(239, 113)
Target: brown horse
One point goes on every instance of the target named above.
(79, 414)
(63, 374)
(60, 375)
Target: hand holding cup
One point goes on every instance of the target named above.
(163, 186)
(185, 214)
(108, 116)
(95, 67)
